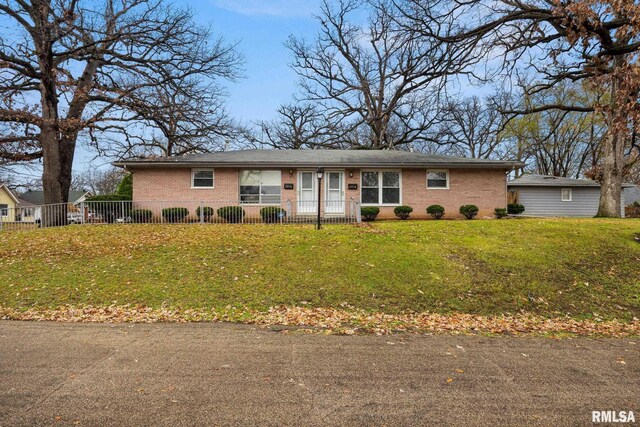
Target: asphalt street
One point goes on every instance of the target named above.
(220, 374)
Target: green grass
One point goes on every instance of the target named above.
(585, 268)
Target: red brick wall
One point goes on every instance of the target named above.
(485, 188)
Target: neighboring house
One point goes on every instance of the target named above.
(8, 204)
(632, 194)
(256, 178)
(543, 195)
(36, 197)
(31, 201)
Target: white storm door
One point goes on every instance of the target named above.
(334, 194)
(307, 198)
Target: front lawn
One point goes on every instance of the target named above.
(585, 268)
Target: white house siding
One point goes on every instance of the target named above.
(547, 201)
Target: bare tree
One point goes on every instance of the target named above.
(596, 41)
(98, 181)
(559, 142)
(472, 127)
(377, 79)
(71, 68)
(177, 117)
(299, 126)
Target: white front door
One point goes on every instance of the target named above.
(334, 193)
(307, 196)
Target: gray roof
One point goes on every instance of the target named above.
(317, 158)
(554, 181)
(37, 197)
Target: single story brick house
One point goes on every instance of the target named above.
(552, 196)
(288, 178)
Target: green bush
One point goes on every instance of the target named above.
(125, 188)
(141, 216)
(232, 214)
(515, 208)
(636, 204)
(207, 213)
(436, 211)
(272, 214)
(105, 207)
(369, 213)
(403, 212)
(175, 214)
(500, 213)
(469, 211)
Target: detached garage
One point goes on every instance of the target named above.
(543, 195)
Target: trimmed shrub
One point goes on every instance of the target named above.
(232, 214)
(515, 208)
(636, 204)
(207, 213)
(469, 211)
(175, 214)
(141, 216)
(403, 212)
(369, 213)
(500, 213)
(272, 214)
(436, 211)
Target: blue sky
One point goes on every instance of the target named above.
(261, 27)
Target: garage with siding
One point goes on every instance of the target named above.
(543, 195)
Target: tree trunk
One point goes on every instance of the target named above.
(613, 153)
(612, 171)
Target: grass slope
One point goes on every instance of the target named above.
(584, 268)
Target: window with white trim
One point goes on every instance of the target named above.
(566, 195)
(380, 188)
(438, 178)
(260, 186)
(4, 210)
(202, 178)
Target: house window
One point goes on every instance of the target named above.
(566, 195)
(4, 210)
(202, 178)
(260, 187)
(380, 188)
(438, 179)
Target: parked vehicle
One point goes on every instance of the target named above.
(74, 218)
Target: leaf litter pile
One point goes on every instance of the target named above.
(346, 320)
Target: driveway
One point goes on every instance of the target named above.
(220, 374)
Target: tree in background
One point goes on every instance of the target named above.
(558, 142)
(472, 127)
(176, 117)
(298, 126)
(71, 69)
(592, 41)
(99, 181)
(376, 83)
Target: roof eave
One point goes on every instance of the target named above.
(469, 165)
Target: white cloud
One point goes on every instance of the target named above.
(282, 8)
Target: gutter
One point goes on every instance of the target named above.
(501, 165)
